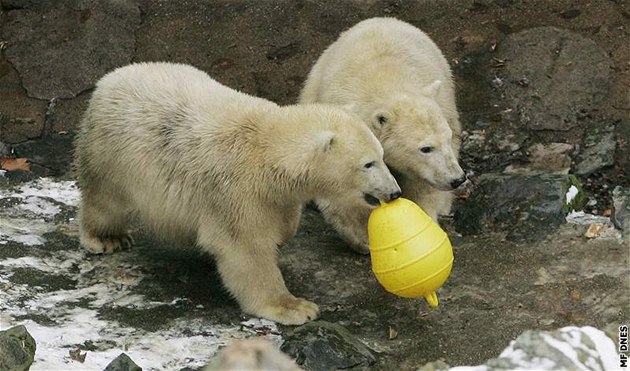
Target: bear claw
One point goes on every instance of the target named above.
(107, 245)
(291, 311)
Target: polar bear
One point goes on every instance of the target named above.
(200, 163)
(396, 79)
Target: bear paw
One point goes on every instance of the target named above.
(360, 248)
(290, 311)
(106, 245)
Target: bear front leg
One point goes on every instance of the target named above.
(350, 222)
(252, 276)
(103, 224)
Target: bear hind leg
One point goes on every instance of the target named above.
(103, 225)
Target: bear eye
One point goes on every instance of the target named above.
(369, 164)
(427, 149)
(381, 119)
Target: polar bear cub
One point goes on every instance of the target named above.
(203, 164)
(396, 79)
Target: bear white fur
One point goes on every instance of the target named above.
(396, 79)
(203, 164)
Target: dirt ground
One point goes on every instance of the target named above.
(53, 52)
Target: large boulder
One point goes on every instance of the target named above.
(322, 345)
(526, 206)
(568, 348)
(17, 349)
(90, 38)
(122, 363)
(553, 77)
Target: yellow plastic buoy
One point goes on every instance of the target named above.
(411, 255)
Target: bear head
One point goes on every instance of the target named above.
(417, 139)
(339, 157)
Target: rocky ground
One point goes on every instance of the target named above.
(542, 90)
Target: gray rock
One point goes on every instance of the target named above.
(21, 117)
(17, 349)
(90, 38)
(122, 363)
(53, 156)
(4, 150)
(526, 206)
(508, 144)
(554, 77)
(322, 345)
(568, 348)
(545, 158)
(473, 142)
(621, 214)
(599, 151)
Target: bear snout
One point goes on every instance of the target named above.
(393, 196)
(459, 181)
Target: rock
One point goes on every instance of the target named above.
(50, 156)
(322, 345)
(4, 150)
(545, 158)
(21, 117)
(67, 113)
(122, 363)
(90, 38)
(283, 52)
(507, 144)
(251, 354)
(553, 77)
(568, 348)
(599, 152)
(17, 349)
(621, 214)
(473, 142)
(570, 13)
(526, 206)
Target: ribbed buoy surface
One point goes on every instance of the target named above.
(411, 255)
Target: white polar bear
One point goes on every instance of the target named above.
(203, 164)
(396, 79)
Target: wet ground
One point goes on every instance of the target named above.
(164, 305)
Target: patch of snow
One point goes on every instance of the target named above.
(572, 192)
(23, 230)
(28, 218)
(65, 192)
(39, 206)
(92, 285)
(160, 350)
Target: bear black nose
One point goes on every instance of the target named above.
(457, 182)
(395, 195)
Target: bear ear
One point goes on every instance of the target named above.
(380, 119)
(433, 89)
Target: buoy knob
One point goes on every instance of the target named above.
(432, 299)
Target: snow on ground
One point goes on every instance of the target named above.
(71, 314)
